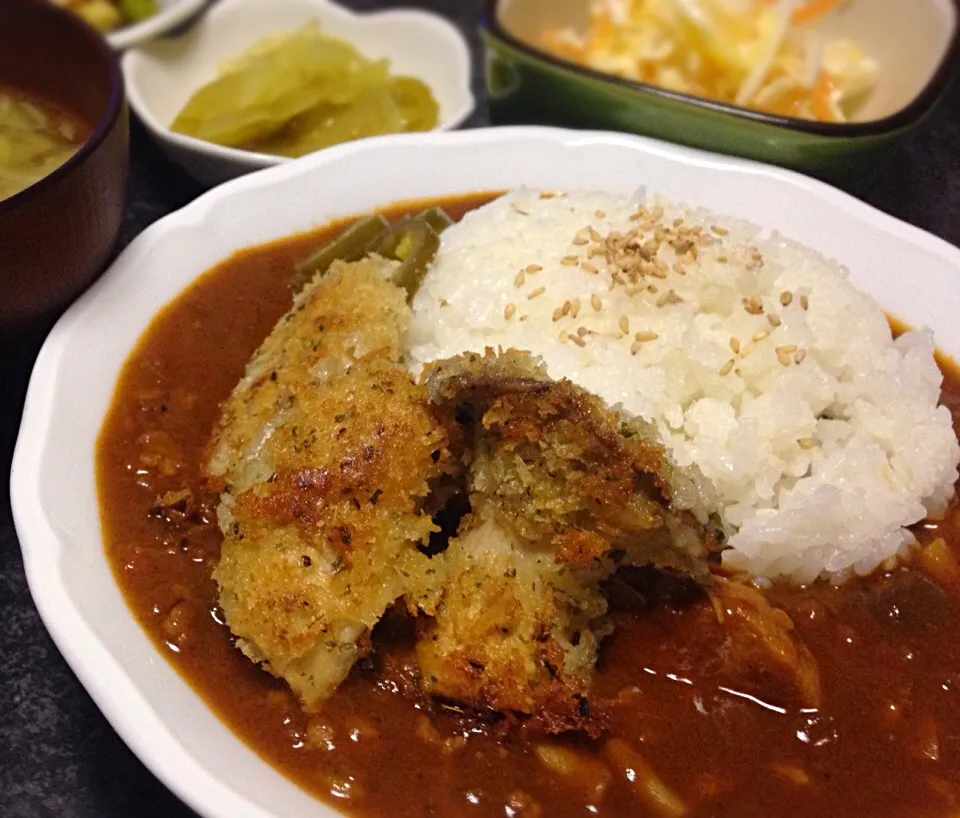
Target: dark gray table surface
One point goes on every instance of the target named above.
(58, 755)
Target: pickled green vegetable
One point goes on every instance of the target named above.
(350, 245)
(296, 93)
(417, 106)
(134, 11)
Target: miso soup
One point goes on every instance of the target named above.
(36, 137)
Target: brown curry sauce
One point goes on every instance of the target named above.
(885, 744)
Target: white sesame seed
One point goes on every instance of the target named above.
(726, 368)
(519, 279)
(532, 268)
(575, 308)
(635, 347)
(578, 340)
(645, 335)
(570, 261)
(536, 292)
(806, 443)
(786, 297)
(624, 324)
(735, 344)
(509, 311)
(800, 356)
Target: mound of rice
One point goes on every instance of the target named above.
(803, 431)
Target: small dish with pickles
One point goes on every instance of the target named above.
(257, 83)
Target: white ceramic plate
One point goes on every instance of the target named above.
(171, 14)
(162, 75)
(54, 495)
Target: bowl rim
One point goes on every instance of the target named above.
(105, 124)
(156, 25)
(908, 115)
(440, 25)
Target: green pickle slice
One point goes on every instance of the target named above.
(296, 93)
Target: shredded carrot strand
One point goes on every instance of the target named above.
(812, 10)
(819, 100)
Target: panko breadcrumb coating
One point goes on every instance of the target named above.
(332, 461)
(327, 450)
(560, 498)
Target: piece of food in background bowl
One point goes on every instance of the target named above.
(63, 158)
(124, 23)
(297, 92)
(767, 56)
(822, 86)
(109, 15)
(228, 96)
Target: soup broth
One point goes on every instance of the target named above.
(36, 138)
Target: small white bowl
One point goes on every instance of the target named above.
(171, 14)
(162, 75)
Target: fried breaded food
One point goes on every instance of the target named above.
(560, 498)
(561, 468)
(515, 630)
(326, 451)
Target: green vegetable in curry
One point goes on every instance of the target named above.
(413, 242)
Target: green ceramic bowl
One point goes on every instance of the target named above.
(916, 43)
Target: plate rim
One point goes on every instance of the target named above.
(160, 23)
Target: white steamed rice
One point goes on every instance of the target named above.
(808, 468)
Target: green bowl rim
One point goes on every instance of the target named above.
(909, 115)
(104, 126)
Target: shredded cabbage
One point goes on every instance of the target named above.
(761, 54)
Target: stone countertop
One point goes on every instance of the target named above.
(58, 755)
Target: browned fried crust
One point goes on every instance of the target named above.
(553, 460)
(559, 498)
(327, 450)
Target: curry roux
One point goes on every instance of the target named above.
(885, 744)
